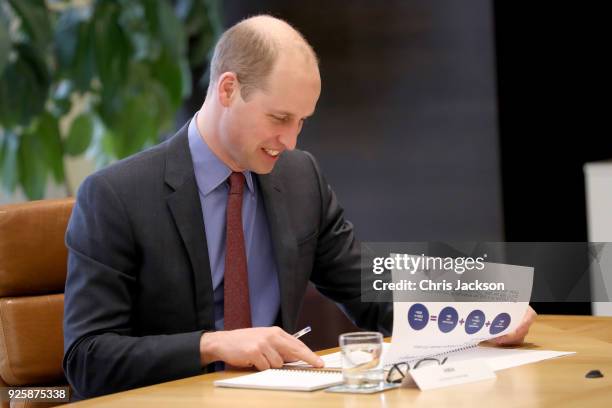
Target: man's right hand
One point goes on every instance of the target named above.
(261, 347)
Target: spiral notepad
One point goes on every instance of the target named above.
(291, 380)
(443, 353)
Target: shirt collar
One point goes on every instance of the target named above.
(209, 170)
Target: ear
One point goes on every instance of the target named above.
(228, 88)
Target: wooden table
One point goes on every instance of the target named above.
(552, 383)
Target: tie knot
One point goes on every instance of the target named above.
(236, 183)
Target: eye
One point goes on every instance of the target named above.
(280, 119)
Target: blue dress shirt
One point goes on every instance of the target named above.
(211, 177)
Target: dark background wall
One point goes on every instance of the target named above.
(448, 120)
(553, 119)
(406, 128)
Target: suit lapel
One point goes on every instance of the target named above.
(186, 209)
(285, 247)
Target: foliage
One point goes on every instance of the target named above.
(102, 76)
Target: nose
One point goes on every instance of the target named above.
(288, 138)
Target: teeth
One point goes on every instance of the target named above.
(272, 152)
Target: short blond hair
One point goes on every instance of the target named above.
(250, 53)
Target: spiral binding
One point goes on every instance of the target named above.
(455, 350)
(310, 370)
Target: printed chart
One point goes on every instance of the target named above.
(447, 319)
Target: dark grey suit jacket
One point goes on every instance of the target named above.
(139, 292)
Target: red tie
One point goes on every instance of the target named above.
(236, 306)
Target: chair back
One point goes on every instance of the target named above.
(33, 260)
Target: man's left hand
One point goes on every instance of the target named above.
(518, 336)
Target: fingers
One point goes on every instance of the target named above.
(301, 352)
(273, 357)
(513, 339)
(293, 349)
(518, 336)
(260, 361)
(262, 348)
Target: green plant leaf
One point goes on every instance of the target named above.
(9, 146)
(5, 45)
(169, 73)
(107, 147)
(112, 47)
(203, 26)
(183, 8)
(212, 8)
(82, 69)
(113, 101)
(135, 124)
(60, 96)
(102, 149)
(171, 30)
(165, 110)
(66, 36)
(32, 169)
(80, 134)
(47, 131)
(24, 86)
(35, 21)
(125, 59)
(185, 78)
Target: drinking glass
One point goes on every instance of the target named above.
(361, 359)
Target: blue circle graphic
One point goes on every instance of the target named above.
(447, 319)
(474, 321)
(500, 323)
(418, 316)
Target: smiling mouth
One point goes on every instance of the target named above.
(271, 152)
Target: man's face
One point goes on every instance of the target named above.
(255, 132)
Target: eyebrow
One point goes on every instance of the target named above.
(289, 114)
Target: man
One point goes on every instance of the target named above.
(187, 254)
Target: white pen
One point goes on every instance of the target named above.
(302, 332)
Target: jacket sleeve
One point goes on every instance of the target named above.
(337, 268)
(101, 354)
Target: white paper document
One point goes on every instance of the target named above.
(288, 380)
(428, 329)
(498, 358)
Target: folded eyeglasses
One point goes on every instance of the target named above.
(398, 371)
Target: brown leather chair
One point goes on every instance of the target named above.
(32, 276)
